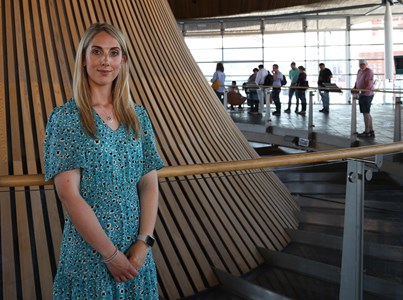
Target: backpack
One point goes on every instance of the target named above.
(268, 80)
(284, 80)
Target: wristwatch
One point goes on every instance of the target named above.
(148, 239)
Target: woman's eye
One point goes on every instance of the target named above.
(115, 53)
(96, 52)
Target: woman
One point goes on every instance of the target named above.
(220, 76)
(301, 82)
(100, 150)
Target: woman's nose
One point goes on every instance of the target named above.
(105, 59)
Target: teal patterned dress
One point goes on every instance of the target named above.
(111, 166)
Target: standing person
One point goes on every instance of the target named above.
(100, 150)
(293, 74)
(324, 77)
(260, 77)
(277, 78)
(301, 82)
(252, 77)
(220, 76)
(251, 88)
(365, 87)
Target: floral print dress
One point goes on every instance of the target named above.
(111, 166)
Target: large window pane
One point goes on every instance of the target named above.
(312, 38)
(207, 55)
(367, 51)
(365, 37)
(207, 69)
(293, 39)
(242, 69)
(242, 26)
(366, 22)
(239, 41)
(328, 38)
(284, 54)
(332, 53)
(283, 25)
(210, 42)
(243, 54)
(326, 24)
(398, 35)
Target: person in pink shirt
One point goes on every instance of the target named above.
(364, 86)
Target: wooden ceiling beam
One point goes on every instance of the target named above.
(193, 9)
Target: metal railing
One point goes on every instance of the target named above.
(240, 165)
(308, 133)
(351, 280)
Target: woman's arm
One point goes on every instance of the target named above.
(148, 193)
(86, 223)
(215, 76)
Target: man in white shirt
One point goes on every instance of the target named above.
(260, 76)
(277, 78)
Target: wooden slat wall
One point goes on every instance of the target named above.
(204, 220)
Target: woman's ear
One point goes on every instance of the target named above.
(124, 58)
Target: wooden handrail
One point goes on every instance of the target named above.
(240, 165)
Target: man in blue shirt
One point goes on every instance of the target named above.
(293, 74)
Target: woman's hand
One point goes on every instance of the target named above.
(137, 254)
(121, 269)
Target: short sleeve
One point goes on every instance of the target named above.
(62, 150)
(151, 158)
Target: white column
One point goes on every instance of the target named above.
(389, 64)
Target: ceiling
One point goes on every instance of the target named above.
(194, 9)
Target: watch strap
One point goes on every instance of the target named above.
(148, 239)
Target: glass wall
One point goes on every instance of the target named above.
(337, 41)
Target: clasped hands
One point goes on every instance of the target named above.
(126, 265)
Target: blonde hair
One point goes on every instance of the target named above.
(122, 103)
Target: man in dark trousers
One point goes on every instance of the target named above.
(324, 77)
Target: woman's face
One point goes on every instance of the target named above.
(103, 60)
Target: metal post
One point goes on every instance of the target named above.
(225, 99)
(397, 133)
(352, 256)
(310, 116)
(353, 131)
(267, 93)
(261, 100)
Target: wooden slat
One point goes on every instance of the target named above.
(24, 247)
(3, 132)
(9, 286)
(205, 221)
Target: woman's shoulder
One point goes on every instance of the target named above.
(142, 115)
(69, 109)
(139, 109)
(66, 114)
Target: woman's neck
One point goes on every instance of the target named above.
(101, 96)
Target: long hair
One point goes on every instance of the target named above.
(122, 103)
(220, 67)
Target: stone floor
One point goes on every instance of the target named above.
(337, 122)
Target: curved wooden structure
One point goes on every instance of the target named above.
(214, 220)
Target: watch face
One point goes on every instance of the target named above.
(150, 240)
